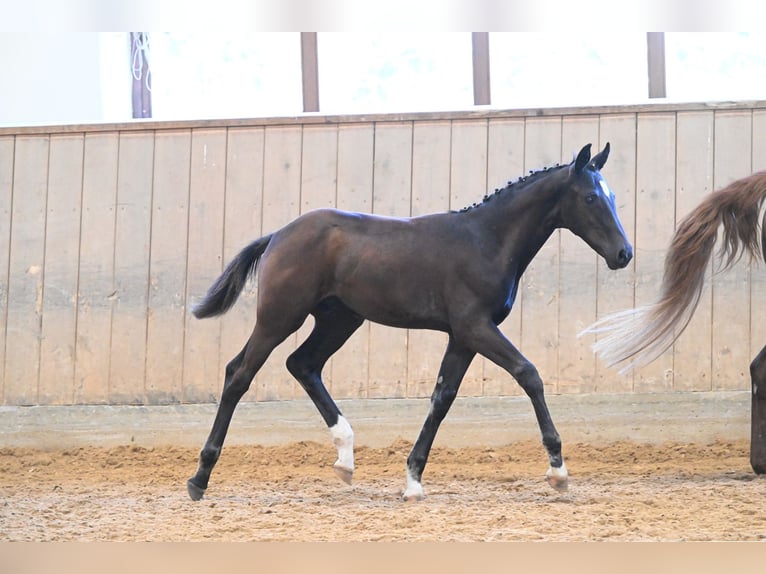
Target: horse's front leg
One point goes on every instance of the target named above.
(454, 365)
(489, 341)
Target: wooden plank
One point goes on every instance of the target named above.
(25, 270)
(96, 270)
(430, 194)
(350, 366)
(7, 145)
(131, 268)
(242, 224)
(202, 342)
(615, 289)
(655, 219)
(540, 298)
(167, 268)
(319, 175)
(62, 246)
(731, 290)
(281, 204)
(578, 277)
(505, 162)
(468, 185)
(694, 181)
(391, 196)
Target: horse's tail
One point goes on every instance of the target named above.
(226, 289)
(636, 337)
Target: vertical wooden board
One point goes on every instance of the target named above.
(131, 268)
(7, 145)
(578, 277)
(468, 185)
(242, 224)
(319, 174)
(392, 197)
(655, 219)
(505, 162)
(694, 181)
(616, 289)
(202, 341)
(350, 366)
(430, 194)
(540, 298)
(96, 270)
(281, 205)
(167, 267)
(731, 290)
(62, 244)
(758, 273)
(25, 270)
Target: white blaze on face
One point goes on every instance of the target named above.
(605, 189)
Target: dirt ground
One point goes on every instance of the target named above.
(619, 491)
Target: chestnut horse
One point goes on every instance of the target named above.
(456, 272)
(635, 337)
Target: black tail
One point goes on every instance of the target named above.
(226, 289)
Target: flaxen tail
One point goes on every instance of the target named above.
(224, 292)
(635, 337)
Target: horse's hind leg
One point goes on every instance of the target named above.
(334, 324)
(454, 365)
(758, 413)
(239, 374)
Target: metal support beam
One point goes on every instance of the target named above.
(481, 86)
(310, 71)
(655, 51)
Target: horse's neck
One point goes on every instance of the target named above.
(521, 222)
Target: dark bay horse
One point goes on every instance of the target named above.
(456, 272)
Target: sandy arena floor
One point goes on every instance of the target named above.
(619, 491)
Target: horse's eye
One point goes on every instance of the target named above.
(590, 198)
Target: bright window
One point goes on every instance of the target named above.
(216, 75)
(554, 70)
(364, 73)
(715, 66)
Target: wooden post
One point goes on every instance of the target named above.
(142, 95)
(758, 414)
(481, 85)
(310, 68)
(655, 50)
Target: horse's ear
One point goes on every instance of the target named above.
(599, 159)
(582, 158)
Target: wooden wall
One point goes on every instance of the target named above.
(108, 234)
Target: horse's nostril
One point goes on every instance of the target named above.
(624, 256)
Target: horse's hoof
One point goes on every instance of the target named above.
(559, 484)
(343, 473)
(195, 492)
(558, 478)
(414, 497)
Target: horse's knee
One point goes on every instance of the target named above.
(299, 366)
(529, 380)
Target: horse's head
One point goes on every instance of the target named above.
(588, 209)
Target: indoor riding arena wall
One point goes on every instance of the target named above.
(110, 233)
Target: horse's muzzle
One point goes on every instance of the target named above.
(623, 258)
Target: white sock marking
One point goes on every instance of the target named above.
(343, 439)
(414, 490)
